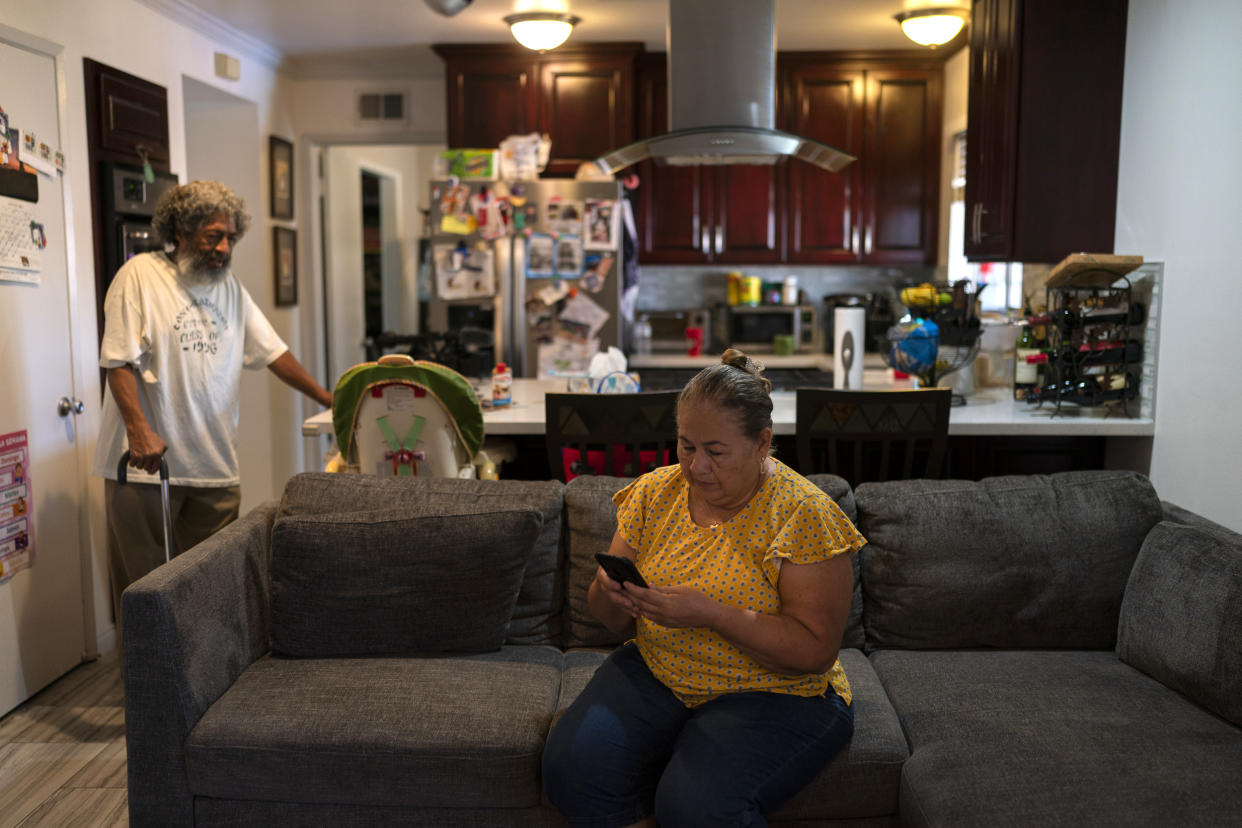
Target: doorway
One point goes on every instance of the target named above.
(373, 199)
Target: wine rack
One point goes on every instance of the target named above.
(1094, 346)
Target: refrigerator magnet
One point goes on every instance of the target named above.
(569, 256)
(601, 225)
(540, 256)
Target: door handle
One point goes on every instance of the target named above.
(69, 405)
(974, 223)
(719, 240)
(867, 245)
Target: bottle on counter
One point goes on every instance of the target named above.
(789, 291)
(642, 335)
(1070, 358)
(502, 385)
(1087, 391)
(1025, 372)
(735, 287)
(1067, 320)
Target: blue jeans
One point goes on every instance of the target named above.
(627, 748)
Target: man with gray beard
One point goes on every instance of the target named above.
(178, 329)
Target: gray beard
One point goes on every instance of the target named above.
(193, 267)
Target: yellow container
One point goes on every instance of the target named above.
(735, 287)
(752, 291)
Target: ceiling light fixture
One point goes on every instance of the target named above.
(541, 31)
(932, 25)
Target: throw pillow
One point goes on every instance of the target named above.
(382, 582)
(1181, 619)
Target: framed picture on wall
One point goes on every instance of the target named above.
(280, 162)
(285, 265)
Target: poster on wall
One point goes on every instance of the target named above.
(22, 242)
(16, 521)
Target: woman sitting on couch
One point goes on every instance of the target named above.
(729, 699)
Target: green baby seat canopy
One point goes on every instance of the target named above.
(450, 390)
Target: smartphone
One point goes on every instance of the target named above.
(620, 569)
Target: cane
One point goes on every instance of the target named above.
(122, 473)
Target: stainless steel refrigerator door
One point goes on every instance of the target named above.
(526, 350)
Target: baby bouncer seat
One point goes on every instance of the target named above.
(401, 417)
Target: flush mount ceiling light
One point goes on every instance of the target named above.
(541, 31)
(932, 25)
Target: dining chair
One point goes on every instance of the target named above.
(603, 433)
(872, 436)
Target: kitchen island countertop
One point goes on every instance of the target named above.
(990, 411)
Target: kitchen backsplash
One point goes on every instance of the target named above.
(668, 287)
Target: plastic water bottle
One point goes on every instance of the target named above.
(642, 336)
(502, 385)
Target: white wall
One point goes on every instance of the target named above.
(1179, 201)
(130, 36)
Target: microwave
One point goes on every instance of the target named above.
(752, 328)
(668, 328)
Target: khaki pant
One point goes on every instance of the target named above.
(136, 527)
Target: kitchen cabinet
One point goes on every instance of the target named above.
(126, 116)
(582, 97)
(1043, 128)
(702, 215)
(882, 209)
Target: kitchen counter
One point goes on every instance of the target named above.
(818, 361)
(990, 411)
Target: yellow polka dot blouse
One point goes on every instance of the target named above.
(738, 563)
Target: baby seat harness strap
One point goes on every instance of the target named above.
(402, 453)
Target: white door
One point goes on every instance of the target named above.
(41, 614)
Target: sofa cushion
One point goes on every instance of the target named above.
(537, 613)
(590, 522)
(839, 490)
(1181, 620)
(1025, 561)
(381, 582)
(1055, 738)
(862, 781)
(413, 732)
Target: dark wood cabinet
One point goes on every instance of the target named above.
(825, 102)
(882, 209)
(581, 97)
(127, 123)
(901, 165)
(1043, 128)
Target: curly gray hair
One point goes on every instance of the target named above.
(183, 210)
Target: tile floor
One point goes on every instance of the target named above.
(62, 753)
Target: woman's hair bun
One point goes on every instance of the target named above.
(738, 359)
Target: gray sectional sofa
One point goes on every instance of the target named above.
(1045, 650)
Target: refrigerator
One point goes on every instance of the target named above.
(553, 249)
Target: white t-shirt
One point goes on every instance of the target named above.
(188, 341)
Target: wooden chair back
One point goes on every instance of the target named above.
(604, 433)
(872, 436)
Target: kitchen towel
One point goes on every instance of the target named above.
(848, 343)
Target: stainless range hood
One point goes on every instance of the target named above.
(722, 93)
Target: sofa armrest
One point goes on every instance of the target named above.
(189, 630)
(1178, 514)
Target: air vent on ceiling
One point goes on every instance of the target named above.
(381, 107)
